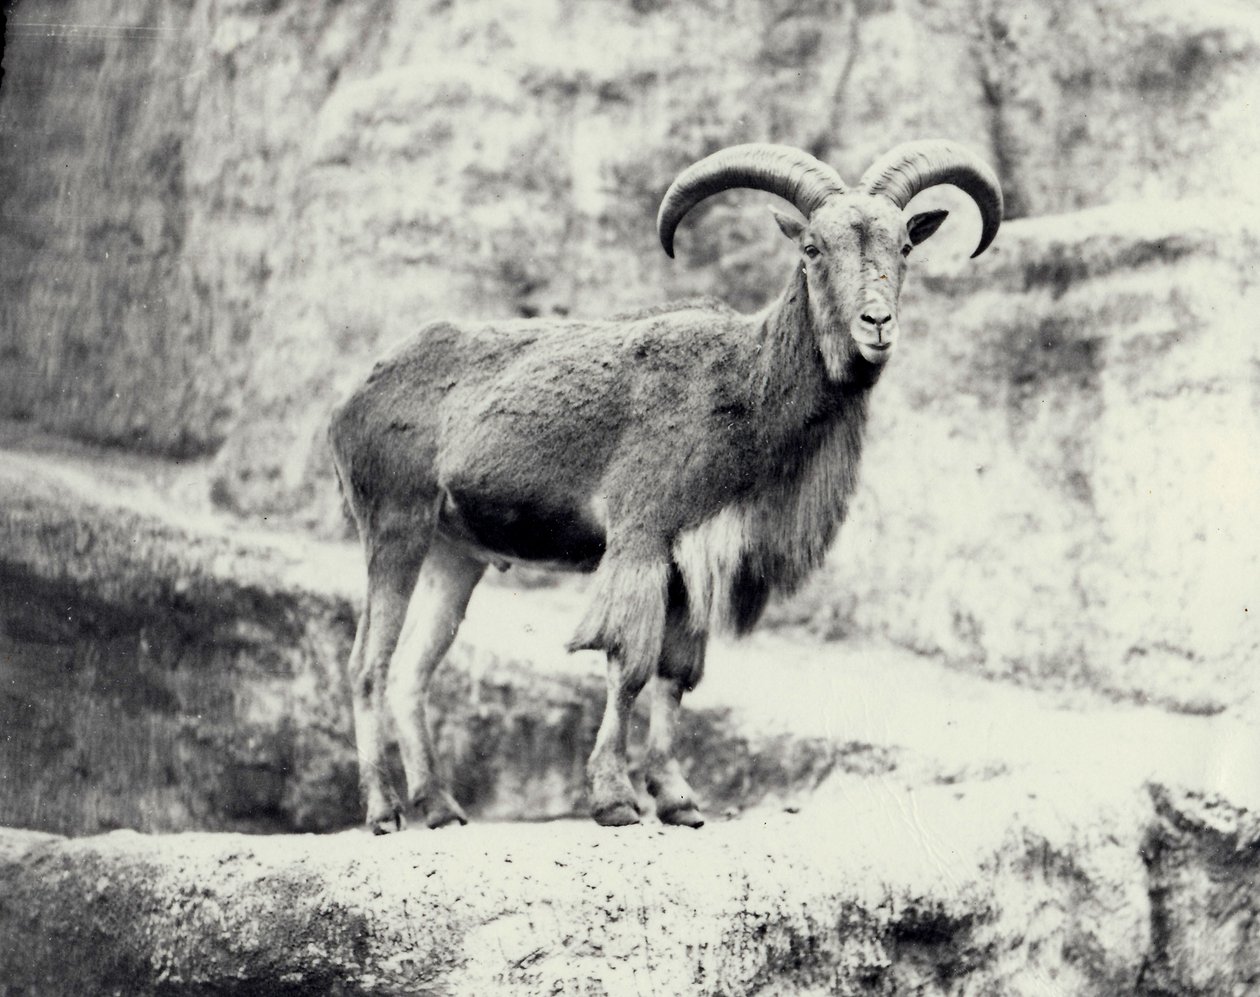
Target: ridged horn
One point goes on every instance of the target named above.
(914, 166)
(794, 175)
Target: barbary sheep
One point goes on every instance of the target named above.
(696, 459)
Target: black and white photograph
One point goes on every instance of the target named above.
(630, 498)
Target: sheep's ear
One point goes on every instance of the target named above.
(923, 226)
(789, 226)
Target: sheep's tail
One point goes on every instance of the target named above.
(626, 617)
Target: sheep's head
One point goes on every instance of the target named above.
(853, 243)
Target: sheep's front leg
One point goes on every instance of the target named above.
(679, 671)
(611, 796)
(675, 801)
(626, 619)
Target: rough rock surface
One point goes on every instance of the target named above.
(1062, 460)
(1202, 854)
(876, 887)
(163, 672)
(215, 211)
(911, 828)
(159, 672)
(844, 901)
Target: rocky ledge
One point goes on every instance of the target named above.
(879, 823)
(166, 670)
(876, 888)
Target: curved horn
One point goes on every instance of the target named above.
(914, 166)
(794, 175)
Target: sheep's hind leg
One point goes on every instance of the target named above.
(395, 552)
(445, 584)
(679, 671)
(384, 813)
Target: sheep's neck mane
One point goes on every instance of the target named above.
(791, 348)
(808, 429)
(814, 424)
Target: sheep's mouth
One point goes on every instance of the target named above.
(874, 352)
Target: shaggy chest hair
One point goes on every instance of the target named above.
(769, 542)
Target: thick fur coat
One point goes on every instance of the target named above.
(687, 441)
(697, 460)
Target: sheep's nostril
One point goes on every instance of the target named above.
(876, 323)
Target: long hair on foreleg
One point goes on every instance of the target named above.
(626, 617)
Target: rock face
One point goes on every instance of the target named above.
(1056, 479)
(979, 896)
(163, 673)
(752, 909)
(159, 675)
(216, 211)
(255, 198)
(111, 329)
(1202, 854)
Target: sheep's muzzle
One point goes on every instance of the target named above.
(875, 333)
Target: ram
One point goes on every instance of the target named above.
(697, 460)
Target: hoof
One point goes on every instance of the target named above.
(684, 816)
(388, 824)
(616, 815)
(440, 810)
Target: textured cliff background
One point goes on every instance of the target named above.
(215, 213)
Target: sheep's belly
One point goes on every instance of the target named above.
(521, 532)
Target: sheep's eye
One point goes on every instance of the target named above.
(905, 250)
(811, 252)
